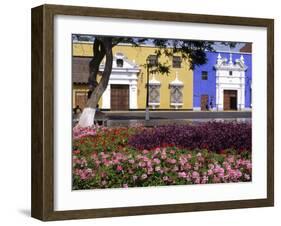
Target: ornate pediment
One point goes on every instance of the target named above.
(229, 65)
(122, 64)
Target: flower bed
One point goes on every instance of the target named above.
(160, 166)
(214, 136)
(137, 157)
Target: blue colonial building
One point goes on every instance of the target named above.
(224, 82)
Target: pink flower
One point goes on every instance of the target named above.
(197, 180)
(221, 170)
(195, 174)
(232, 173)
(103, 174)
(146, 159)
(211, 166)
(238, 173)
(145, 151)
(230, 159)
(216, 179)
(182, 174)
(204, 180)
(210, 172)
(76, 152)
(119, 168)
(157, 168)
(216, 170)
(149, 170)
(148, 163)
(107, 162)
(156, 161)
(182, 160)
(247, 176)
(175, 169)
(142, 164)
(171, 161)
(157, 150)
(187, 166)
(249, 165)
(115, 161)
(200, 159)
(165, 178)
(97, 162)
(125, 185)
(79, 132)
(131, 161)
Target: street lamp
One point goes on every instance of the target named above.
(147, 89)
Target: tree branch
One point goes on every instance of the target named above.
(94, 64)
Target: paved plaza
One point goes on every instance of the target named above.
(128, 118)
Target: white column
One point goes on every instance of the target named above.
(217, 96)
(219, 91)
(133, 98)
(243, 97)
(217, 87)
(221, 97)
(106, 98)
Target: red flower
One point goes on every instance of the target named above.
(76, 152)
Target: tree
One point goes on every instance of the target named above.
(194, 52)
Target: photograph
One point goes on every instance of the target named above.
(140, 112)
(160, 112)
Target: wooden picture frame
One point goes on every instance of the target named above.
(43, 112)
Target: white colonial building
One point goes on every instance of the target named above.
(123, 80)
(230, 83)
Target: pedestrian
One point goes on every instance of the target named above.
(77, 113)
(211, 104)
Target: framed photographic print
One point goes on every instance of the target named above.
(141, 112)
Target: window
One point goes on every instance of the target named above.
(154, 95)
(153, 60)
(119, 62)
(176, 62)
(204, 75)
(176, 95)
(230, 72)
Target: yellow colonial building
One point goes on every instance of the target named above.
(127, 85)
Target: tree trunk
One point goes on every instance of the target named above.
(88, 114)
(99, 53)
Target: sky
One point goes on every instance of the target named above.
(217, 46)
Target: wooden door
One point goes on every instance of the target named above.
(81, 99)
(204, 102)
(230, 100)
(119, 97)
